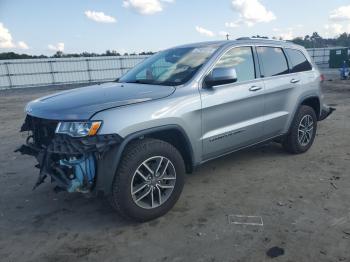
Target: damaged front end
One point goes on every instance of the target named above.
(70, 162)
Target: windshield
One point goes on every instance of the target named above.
(170, 67)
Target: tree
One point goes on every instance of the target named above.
(316, 41)
(344, 39)
(58, 54)
(12, 55)
(308, 41)
(258, 36)
(146, 53)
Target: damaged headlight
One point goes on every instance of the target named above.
(78, 129)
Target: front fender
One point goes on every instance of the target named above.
(108, 165)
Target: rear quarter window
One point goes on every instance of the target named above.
(273, 61)
(298, 60)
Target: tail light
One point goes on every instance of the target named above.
(322, 78)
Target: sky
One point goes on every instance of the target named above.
(74, 26)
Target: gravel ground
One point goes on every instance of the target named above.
(303, 201)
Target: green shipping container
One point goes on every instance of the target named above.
(338, 56)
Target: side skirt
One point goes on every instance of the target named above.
(241, 148)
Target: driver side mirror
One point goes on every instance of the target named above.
(221, 76)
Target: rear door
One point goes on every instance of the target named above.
(279, 86)
(232, 113)
(301, 70)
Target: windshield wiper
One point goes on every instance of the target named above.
(151, 82)
(140, 81)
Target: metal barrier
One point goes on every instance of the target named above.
(321, 55)
(53, 71)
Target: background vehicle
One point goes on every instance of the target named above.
(135, 139)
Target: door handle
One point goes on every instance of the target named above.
(294, 81)
(255, 88)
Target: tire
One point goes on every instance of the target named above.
(150, 152)
(298, 141)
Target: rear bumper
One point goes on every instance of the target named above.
(325, 112)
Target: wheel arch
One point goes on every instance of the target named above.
(176, 137)
(173, 134)
(313, 102)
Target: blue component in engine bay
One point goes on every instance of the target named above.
(84, 171)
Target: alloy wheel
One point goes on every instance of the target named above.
(305, 130)
(153, 182)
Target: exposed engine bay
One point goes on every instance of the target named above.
(70, 162)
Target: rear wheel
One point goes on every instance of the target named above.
(149, 180)
(302, 132)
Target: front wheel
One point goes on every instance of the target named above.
(302, 132)
(149, 180)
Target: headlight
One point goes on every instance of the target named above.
(78, 129)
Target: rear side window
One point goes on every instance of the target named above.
(241, 58)
(273, 61)
(299, 61)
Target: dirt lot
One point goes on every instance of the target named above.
(303, 201)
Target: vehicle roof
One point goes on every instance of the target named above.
(240, 41)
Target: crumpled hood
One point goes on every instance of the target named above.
(83, 103)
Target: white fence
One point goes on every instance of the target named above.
(53, 71)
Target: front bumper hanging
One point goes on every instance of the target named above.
(70, 162)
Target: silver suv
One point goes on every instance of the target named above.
(134, 139)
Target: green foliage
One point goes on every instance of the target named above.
(12, 55)
(316, 41)
(258, 36)
(60, 54)
(313, 41)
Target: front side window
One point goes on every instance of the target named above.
(299, 61)
(273, 61)
(241, 58)
(170, 67)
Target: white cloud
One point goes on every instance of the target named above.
(204, 31)
(57, 47)
(22, 45)
(100, 17)
(232, 24)
(334, 29)
(287, 36)
(338, 25)
(251, 12)
(146, 7)
(5, 38)
(340, 14)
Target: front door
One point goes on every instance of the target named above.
(232, 114)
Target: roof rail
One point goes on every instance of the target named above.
(243, 38)
(259, 38)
